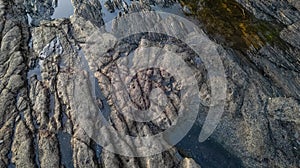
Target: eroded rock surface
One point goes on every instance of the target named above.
(41, 65)
(284, 11)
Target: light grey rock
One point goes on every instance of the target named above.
(14, 35)
(291, 34)
(89, 10)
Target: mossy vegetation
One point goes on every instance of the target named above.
(231, 24)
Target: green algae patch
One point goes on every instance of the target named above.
(231, 24)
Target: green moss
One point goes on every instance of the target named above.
(231, 24)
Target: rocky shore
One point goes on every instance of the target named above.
(256, 40)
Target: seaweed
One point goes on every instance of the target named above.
(232, 25)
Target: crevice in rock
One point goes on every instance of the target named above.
(65, 148)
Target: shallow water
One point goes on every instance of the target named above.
(47, 10)
(208, 154)
(64, 9)
(109, 16)
(232, 25)
(65, 149)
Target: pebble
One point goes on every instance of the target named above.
(186, 10)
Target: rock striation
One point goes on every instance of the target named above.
(43, 61)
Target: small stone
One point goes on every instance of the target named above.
(186, 10)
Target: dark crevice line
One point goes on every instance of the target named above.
(9, 154)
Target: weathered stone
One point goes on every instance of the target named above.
(40, 10)
(89, 10)
(49, 155)
(291, 34)
(23, 139)
(284, 11)
(38, 124)
(14, 133)
(189, 163)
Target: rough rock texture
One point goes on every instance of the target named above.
(260, 126)
(291, 34)
(189, 163)
(284, 11)
(89, 10)
(14, 100)
(40, 10)
(257, 80)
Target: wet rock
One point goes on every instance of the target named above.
(260, 125)
(189, 163)
(57, 53)
(283, 11)
(291, 34)
(110, 6)
(246, 116)
(40, 10)
(295, 3)
(135, 6)
(266, 73)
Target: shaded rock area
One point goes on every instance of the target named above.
(291, 34)
(283, 11)
(257, 77)
(260, 126)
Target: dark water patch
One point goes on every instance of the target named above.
(232, 25)
(10, 165)
(64, 117)
(9, 154)
(36, 150)
(52, 105)
(97, 150)
(209, 154)
(66, 151)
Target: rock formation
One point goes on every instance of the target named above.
(43, 60)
